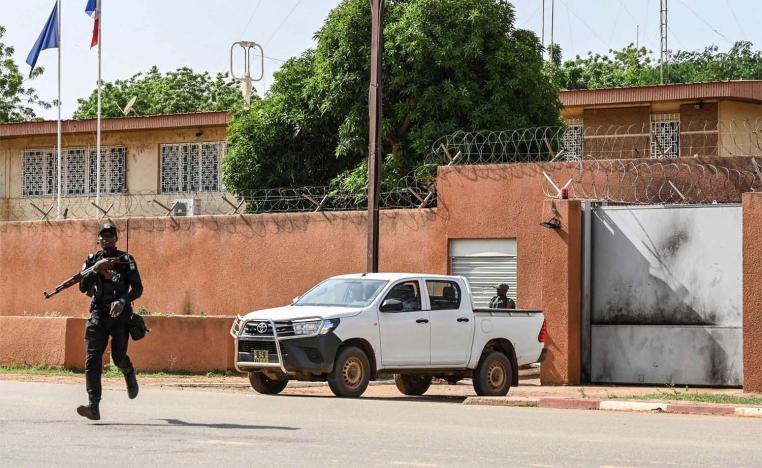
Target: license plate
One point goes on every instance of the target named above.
(261, 356)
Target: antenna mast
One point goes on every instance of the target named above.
(663, 27)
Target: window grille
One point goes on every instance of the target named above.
(665, 136)
(39, 173)
(191, 167)
(113, 170)
(572, 140)
(40, 176)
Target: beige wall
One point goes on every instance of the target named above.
(143, 172)
(739, 133)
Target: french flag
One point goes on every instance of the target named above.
(93, 9)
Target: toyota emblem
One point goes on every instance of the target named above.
(262, 328)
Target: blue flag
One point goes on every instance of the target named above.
(48, 39)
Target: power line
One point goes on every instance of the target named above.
(251, 17)
(738, 23)
(705, 22)
(595, 33)
(272, 36)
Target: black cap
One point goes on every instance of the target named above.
(107, 227)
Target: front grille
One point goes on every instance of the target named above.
(247, 348)
(264, 328)
(251, 346)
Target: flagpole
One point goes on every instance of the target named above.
(99, 14)
(58, 31)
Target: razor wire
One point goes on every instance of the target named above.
(614, 163)
(653, 182)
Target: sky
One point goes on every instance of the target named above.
(138, 34)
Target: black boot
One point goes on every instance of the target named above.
(90, 411)
(132, 384)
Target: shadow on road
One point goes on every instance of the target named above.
(180, 423)
(419, 399)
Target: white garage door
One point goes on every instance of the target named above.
(485, 263)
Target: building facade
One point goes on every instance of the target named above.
(148, 165)
(664, 121)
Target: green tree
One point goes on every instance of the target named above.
(448, 65)
(175, 92)
(633, 66)
(16, 100)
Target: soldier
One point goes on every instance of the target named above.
(113, 286)
(502, 301)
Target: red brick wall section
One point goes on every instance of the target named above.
(192, 344)
(752, 292)
(33, 340)
(561, 288)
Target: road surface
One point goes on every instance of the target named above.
(39, 427)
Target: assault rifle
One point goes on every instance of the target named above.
(76, 278)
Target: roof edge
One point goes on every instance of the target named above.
(148, 122)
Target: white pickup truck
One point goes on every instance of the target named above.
(350, 328)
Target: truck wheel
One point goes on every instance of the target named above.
(265, 385)
(410, 384)
(493, 376)
(351, 373)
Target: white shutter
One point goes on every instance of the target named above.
(484, 273)
(485, 263)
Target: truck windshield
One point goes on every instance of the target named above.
(347, 292)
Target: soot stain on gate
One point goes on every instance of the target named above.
(650, 300)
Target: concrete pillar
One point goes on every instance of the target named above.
(561, 292)
(752, 292)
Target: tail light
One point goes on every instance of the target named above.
(543, 332)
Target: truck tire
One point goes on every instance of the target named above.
(351, 373)
(265, 385)
(494, 375)
(412, 384)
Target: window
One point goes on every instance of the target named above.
(408, 293)
(572, 140)
(665, 135)
(443, 295)
(342, 293)
(40, 175)
(191, 167)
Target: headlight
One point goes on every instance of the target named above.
(306, 328)
(329, 325)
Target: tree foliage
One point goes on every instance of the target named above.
(633, 66)
(175, 92)
(448, 65)
(16, 100)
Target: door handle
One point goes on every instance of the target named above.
(422, 321)
(463, 319)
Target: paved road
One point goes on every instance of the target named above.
(38, 426)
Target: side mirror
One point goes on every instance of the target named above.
(391, 305)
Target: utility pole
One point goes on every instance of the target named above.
(552, 25)
(543, 24)
(374, 141)
(637, 36)
(663, 27)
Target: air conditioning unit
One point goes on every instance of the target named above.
(184, 207)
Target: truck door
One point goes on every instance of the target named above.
(405, 333)
(452, 323)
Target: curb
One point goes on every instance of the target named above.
(619, 405)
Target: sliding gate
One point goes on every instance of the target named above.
(664, 295)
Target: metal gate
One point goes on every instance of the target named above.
(663, 295)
